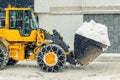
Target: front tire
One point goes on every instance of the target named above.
(51, 58)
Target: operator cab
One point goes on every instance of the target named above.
(22, 19)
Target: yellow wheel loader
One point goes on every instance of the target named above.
(22, 39)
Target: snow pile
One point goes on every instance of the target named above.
(94, 31)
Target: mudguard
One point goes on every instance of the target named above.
(57, 41)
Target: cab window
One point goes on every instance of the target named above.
(2, 22)
(21, 20)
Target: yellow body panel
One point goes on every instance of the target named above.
(17, 42)
(17, 8)
(16, 51)
(32, 56)
(14, 35)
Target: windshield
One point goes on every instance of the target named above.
(34, 22)
(23, 20)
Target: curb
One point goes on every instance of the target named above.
(108, 57)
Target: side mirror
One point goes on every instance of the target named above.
(37, 18)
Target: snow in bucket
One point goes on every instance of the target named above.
(94, 31)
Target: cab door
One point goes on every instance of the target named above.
(21, 26)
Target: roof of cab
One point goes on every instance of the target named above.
(14, 8)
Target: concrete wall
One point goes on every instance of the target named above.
(65, 24)
(67, 15)
(43, 6)
(62, 15)
(100, 2)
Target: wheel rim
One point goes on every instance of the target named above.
(50, 59)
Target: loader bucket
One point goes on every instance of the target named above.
(86, 50)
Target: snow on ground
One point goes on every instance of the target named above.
(109, 69)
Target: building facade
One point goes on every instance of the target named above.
(67, 15)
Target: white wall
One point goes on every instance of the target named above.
(43, 6)
(66, 25)
(100, 2)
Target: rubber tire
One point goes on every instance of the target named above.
(3, 57)
(60, 55)
(12, 62)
